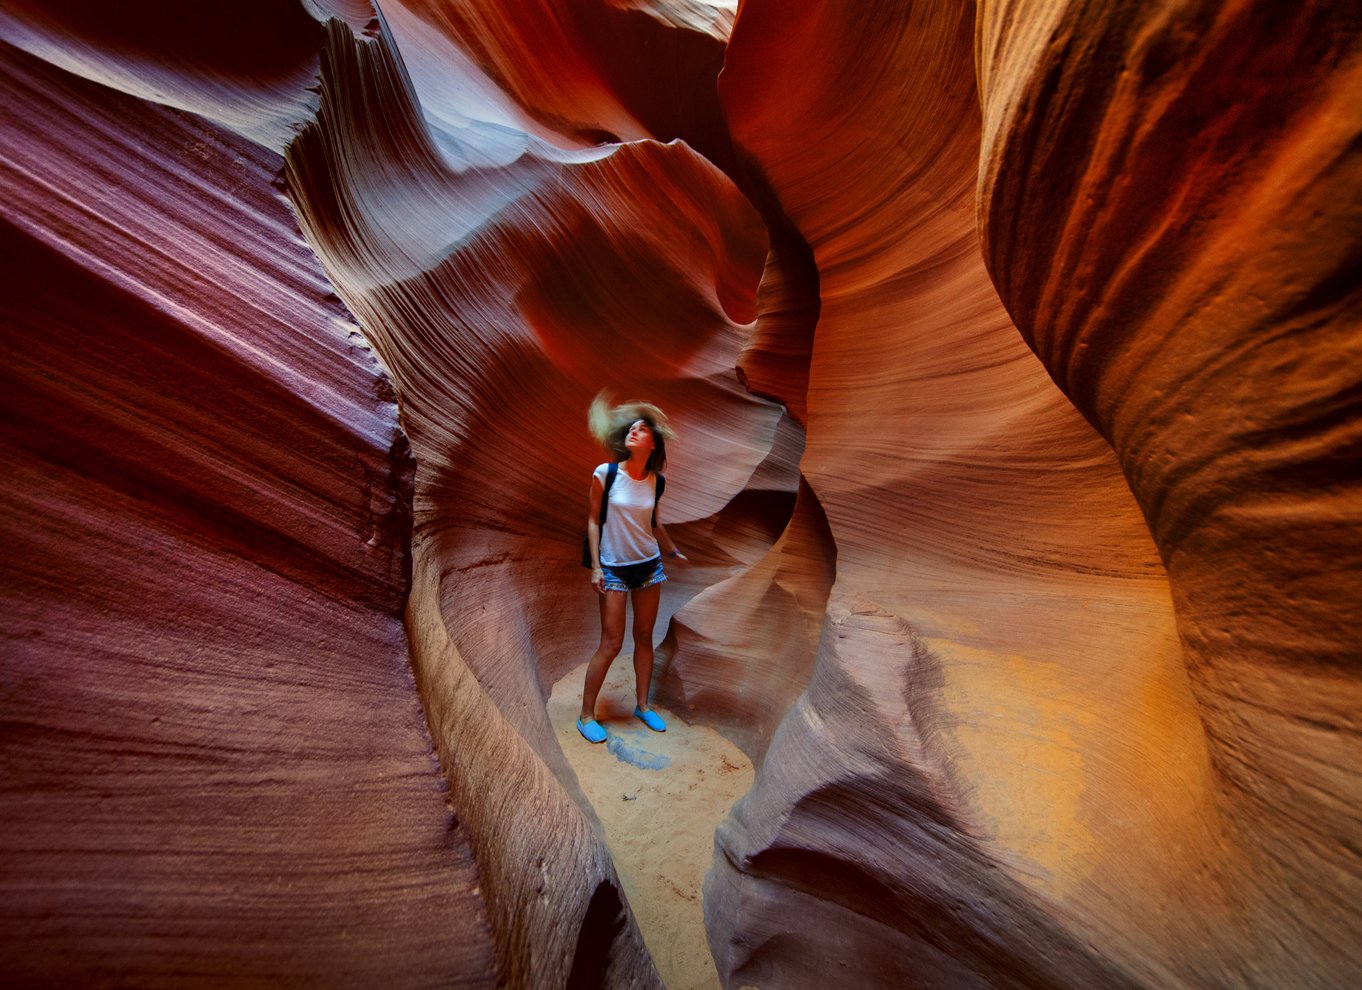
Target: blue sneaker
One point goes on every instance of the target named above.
(651, 719)
(591, 730)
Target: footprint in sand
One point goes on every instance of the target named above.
(627, 748)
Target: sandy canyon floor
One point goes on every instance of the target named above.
(659, 797)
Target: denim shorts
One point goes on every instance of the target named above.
(632, 577)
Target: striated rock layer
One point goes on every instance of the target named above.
(1213, 335)
(1000, 773)
(215, 765)
(997, 603)
(1034, 602)
(488, 267)
(503, 287)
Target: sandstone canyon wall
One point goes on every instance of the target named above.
(1014, 354)
(215, 764)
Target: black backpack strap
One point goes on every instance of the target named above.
(610, 473)
(657, 498)
(605, 507)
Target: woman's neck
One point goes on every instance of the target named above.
(637, 466)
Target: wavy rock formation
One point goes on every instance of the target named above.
(501, 293)
(1030, 593)
(417, 230)
(1000, 774)
(998, 605)
(216, 766)
(1212, 336)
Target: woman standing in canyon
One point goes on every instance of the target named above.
(625, 544)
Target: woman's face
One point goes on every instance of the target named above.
(639, 438)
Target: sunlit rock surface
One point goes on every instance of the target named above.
(997, 606)
(1213, 337)
(1034, 605)
(1001, 773)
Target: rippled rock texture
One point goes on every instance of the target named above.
(216, 766)
(1014, 352)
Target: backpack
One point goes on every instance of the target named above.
(610, 474)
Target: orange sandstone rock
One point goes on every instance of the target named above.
(1179, 243)
(1000, 773)
(1042, 635)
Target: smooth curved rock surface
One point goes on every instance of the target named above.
(582, 73)
(1034, 604)
(256, 83)
(503, 290)
(1215, 342)
(1000, 741)
(216, 768)
(410, 223)
(997, 605)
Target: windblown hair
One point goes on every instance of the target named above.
(609, 424)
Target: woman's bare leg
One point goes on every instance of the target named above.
(612, 638)
(646, 601)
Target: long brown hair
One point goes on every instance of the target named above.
(609, 424)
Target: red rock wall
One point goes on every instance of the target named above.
(997, 604)
(502, 296)
(216, 767)
(1039, 622)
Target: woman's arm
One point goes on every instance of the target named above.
(593, 533)
(665, 542)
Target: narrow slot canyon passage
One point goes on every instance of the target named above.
(658, 796)
(502, 290)
(1013, 350)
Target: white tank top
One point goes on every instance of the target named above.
(628, 535)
